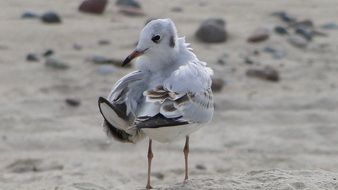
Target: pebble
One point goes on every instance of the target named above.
(267, 73)
(277, 53)
(93, 6)
(222, 60)
(298, 41)
(259, 35)
(212, 30)
(177, 9)
(29, 15)
(131, 11)
(48, 53)
(285, 17)
(74, 102)
(304, 23)
(32, 57)
(50, 17)
(98, 59)
(217, 84)
(77, 46)
(103, 42)
(330, 26)
(200, 167)
(128, 3)
(305, 33)
(105, 69)
(56, 64)
(248, 61)
(281, 30)
(158, 175)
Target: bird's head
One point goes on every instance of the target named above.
(157, 40)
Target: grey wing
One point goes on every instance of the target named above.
(118, 110)
(185, 97)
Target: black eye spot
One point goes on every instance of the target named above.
(156, 38)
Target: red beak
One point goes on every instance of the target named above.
(132, 56)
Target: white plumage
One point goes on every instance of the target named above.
(169, 95)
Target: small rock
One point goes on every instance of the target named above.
(32, 57)
(56, 64)
(330, 26)
(177, 9)
(128, 3)
(217, 84)
(73, 102)
(106, 69)
(93, 6)
(268, 73)
(98, 59)
(48, 53)
(29, 15)
(103, 42)
(222, 60)
(259, 35)
(248, 61)
(281, 30)
(277, 53)
(304, 23)
(158, 175)
(50, 17)
(212, 30)
(200, 167)
(305, 33)
(131, 11)
(297, 41)
(77, 46)
(285, 17)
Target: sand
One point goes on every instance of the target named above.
(264, 135)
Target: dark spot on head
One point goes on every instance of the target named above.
(172, 41)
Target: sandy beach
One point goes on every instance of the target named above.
(264, 135)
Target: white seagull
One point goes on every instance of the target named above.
(168, 97)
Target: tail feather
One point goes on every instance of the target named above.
(116, 133)
(116, 122)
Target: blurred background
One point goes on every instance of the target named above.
(275, 88)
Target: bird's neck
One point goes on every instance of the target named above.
(167, 61)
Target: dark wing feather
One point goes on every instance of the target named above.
(158, 121)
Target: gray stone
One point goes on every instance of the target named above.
(298, 41)
(56, 64)
(267, 73)
(212, 30)
(74, 102)
(330, 26)
(277, 53)
(51, 18)
(129, 3)
(131, 11)
(281, 30)
(29, 15)
(32, 57)
(177, 9)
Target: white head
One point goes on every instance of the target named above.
(157, 43)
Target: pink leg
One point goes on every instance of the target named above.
(150, 157)
(186, 152)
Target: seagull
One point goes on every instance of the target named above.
(168, 97)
